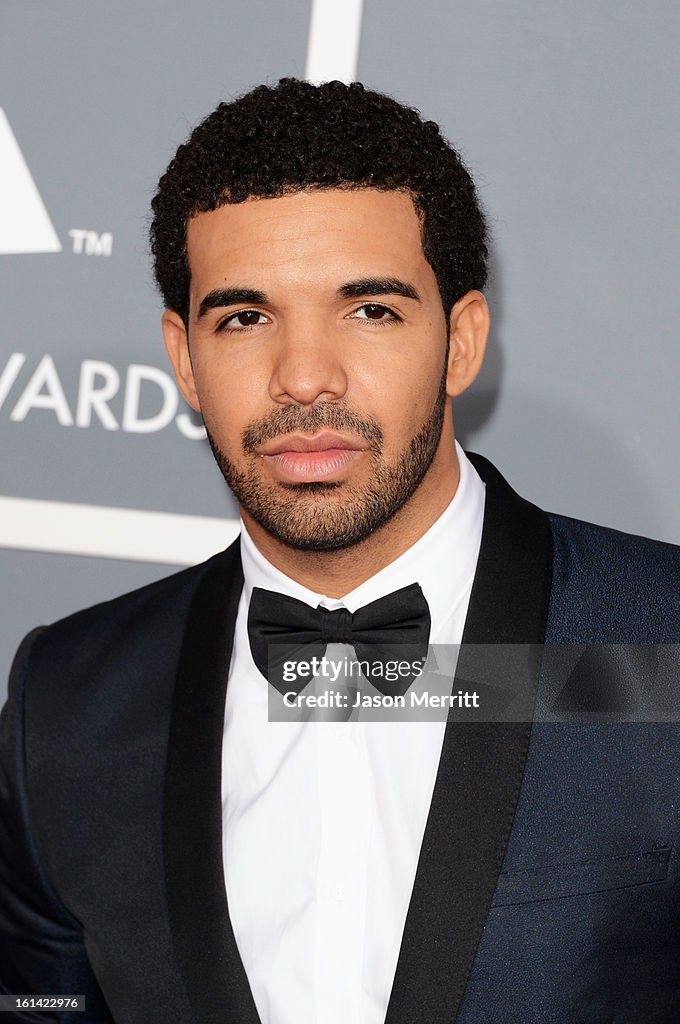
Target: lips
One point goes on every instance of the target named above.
(326, 441)
(299, 458)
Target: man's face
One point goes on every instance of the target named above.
(317, 355)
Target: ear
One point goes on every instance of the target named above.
(469, 330)
(177, 344)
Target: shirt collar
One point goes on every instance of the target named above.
(442, 561)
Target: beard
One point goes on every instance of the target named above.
(321, 515)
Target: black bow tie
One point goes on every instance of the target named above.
(393, 628)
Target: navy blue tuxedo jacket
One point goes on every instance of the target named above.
(548, 885)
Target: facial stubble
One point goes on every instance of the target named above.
(325, 515)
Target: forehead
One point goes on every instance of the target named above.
(317, 234)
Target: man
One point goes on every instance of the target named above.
(174, 855)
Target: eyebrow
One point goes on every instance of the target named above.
(378, 286)
(230, 297)
(366, 286)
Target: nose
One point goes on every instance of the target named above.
(307, 366)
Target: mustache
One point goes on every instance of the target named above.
(324, 416)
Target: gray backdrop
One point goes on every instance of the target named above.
(567, 114)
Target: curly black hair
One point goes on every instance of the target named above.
(295, 136)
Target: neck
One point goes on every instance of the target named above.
(336, 573)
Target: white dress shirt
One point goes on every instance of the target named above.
(323, 821)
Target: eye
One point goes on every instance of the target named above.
(375, 312)
(242, 320)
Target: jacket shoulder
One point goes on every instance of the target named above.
(137, 635)
(612, 587)
(83, 745)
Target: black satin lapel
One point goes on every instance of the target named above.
(480, 770)
(206, 949)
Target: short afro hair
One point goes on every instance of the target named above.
(295, 136)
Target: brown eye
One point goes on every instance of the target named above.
(242, 320)
(247, 317)
(376, 312)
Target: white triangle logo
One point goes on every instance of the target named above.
(25, 225)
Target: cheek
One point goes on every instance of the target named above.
(230, 401)
(401, 392)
